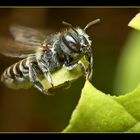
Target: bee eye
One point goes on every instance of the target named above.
(83, 41)
(71, 43)
(70, 39)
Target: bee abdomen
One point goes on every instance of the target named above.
(17, 75)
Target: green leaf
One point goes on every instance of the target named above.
(128, 70)
(135, 22)
(99, 112)
(127, 75)
(64, 77)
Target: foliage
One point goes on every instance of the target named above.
(100, 112)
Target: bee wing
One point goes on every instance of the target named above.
(27, 35)
(9, 47)
(26, 41)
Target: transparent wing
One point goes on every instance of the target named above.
(26, 41)
(9, 47)
(27, 35)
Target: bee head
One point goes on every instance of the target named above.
(76, 39)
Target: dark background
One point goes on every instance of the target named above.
(29, 110)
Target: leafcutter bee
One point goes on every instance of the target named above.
(43, 54)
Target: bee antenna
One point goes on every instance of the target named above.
(66, 23)
(91, 23)
(70, 25)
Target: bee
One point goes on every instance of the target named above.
(43, 54)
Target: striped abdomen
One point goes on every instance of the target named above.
(17, 75)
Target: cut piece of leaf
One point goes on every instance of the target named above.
(135, 22)
(99, 112)
(64, 77)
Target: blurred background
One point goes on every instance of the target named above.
(31, 111)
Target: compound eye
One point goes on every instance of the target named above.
(83, 41)
(70, 39)
(71, 43)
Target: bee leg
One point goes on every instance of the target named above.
(49, 78)
(89, 73)
(44, 68)
(90, 68)
(67, 85)
(33, 75)
(71, 67)
(83, 69)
